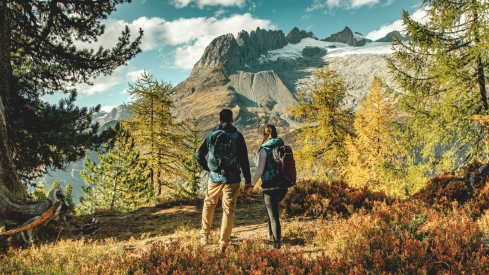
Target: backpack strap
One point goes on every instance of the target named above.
(235, 135)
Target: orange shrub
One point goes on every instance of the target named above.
(466, 188)
(407, 238)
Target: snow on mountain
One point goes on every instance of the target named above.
(107, 109)
(370, 48)
(294, 51)
(358, 36)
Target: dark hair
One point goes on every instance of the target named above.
(226, 115)
(268, 133)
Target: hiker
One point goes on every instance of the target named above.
(274, 185)
(227, 156)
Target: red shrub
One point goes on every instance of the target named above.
(315, 198)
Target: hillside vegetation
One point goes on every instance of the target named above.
(399, 185)
(328, 228)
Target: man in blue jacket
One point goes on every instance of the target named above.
(225, 180)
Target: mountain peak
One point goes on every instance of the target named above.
(348, 37)
(295, 35)
(235, 52)
(390, 37)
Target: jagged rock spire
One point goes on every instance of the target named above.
(295, 35)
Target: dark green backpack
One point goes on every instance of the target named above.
(222, 152)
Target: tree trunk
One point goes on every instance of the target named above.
(112, 200)
(14, 205)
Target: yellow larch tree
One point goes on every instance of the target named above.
(374, 156)
(326, 125)
(155, 129)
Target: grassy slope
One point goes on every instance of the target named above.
(438, 231)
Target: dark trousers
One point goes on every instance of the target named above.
(272, 198)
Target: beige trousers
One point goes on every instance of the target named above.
(229, 197)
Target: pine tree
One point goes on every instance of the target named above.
(69, 199)
(441, 72)
(374, 156)
(186, 158)
(116, 180)
(153, 126)
(327, 123)
(38, 56)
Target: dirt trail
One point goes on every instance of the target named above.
(152, 224)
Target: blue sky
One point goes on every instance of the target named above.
(177, 32)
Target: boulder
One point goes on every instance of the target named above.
(309, 51)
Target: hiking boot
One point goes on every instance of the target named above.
(204, 239)
(276, 246)
(222, 249)
(268, 238)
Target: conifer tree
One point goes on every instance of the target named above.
(186, 157)
(442, 74)
(116, 180)
(153, 126)
(327, 123)
(38, 56)
(374, 157)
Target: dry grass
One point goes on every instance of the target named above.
(374, 237)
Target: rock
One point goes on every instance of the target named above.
(313, 51)
(222, 50)
(332, 47)
(295, 35)
(233, 52)
(390, 37)
(346, 36)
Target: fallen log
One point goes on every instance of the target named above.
(46, 216)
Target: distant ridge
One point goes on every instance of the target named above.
(348, 37)
(390, 37)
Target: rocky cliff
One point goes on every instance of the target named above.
(295, 35)
(232, 53)
(348, 37)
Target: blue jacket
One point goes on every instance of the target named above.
(242, 155)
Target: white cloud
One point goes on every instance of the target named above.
(114, 27)
(107, 109)
(201, 3)
(219, 12)
(104, 83)
(419, 15)
(190, 36)
(345, 4)
(306, 16)
(417, 5)
(193, 35)
(123, 91)
(316, 5)
(361, 3)
(388, 3)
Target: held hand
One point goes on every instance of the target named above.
(248, 188)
